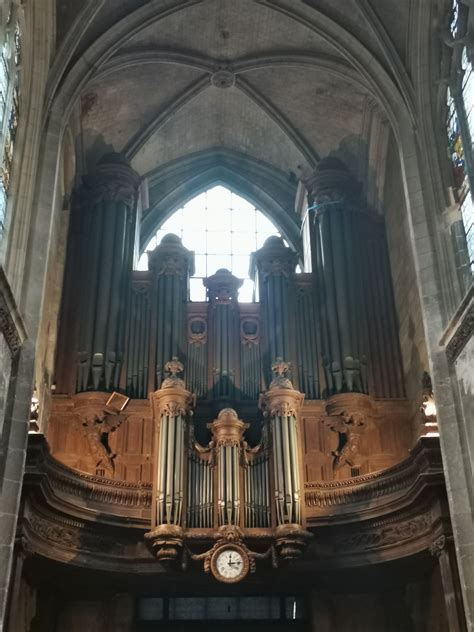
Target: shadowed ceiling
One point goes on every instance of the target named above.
(267, 81)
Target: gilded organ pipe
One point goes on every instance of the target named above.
(171, 405)
(281, 404)
(227, 432)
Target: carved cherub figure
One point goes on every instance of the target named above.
(97, 425)
(352, 426)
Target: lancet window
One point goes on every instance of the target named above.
(460, 124)
(10, 65)
(222, 229)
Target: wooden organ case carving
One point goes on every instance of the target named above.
(227, 489)
(289, 418)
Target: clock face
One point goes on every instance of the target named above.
(229, 564)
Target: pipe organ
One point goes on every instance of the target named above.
(123, 340)
(227, 483)
(324, 341)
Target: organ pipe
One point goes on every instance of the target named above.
(170, 266)
(307, 340)
(223, 316)
(250, 361)
(196, 372)
(138, 332)
(275, 265)
(171, 405)
(256, 483)
(337, 266)
(281, 404)
(108, 206)
(227, 432)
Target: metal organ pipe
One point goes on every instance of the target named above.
(281, 404)
(275, 264)
(223, 317)
(171, 404)
(170, 265)
(338, 276)
(107, 202)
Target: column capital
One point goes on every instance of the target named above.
(281, 399)
(228, 429)
(170, 257)
(222, 287)
(332, 182)
(112, 179)
(172, 398)
(274, 259)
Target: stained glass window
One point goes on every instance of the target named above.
(10, 60)
(460, 124)
(222, 229)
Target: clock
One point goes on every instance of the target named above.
(230, 563)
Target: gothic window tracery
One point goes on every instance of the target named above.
(10, 65)
(222, 229)
(460, 126)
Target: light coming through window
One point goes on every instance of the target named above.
(222, 229)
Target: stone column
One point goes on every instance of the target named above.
(171, 404)
(443, 549)
(223, 319)
(281, 404)
(105, 221)
(337, 274)
(170, 265)
(275, 266)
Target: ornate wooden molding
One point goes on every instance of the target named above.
(387, 534)
(336, 500)
(86, 495)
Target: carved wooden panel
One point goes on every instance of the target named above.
(386, 444)
(129, 447)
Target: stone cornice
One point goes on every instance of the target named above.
(460, 329)
(11, 322)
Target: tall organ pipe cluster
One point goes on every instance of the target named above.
(281, 404)
(119, 327)
(275, 264)
(171, 405)
(104, 218)
(170, 265)
(223, 318)
(338, 277)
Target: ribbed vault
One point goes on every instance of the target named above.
(199, 92)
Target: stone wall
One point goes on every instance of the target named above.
(412, 342)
